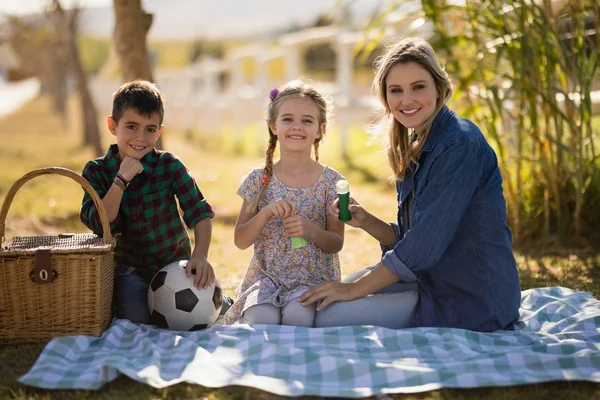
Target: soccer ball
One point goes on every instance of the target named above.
(175, 303)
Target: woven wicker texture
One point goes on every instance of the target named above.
(79, 298)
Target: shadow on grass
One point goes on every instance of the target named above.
(551, 264)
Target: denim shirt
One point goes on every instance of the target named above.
(454, 240)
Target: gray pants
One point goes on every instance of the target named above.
(293, 313)
(391, 307)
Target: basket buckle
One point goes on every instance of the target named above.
(43, 272)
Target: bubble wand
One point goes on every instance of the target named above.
(343, 190)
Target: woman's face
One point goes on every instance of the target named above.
(411, 94)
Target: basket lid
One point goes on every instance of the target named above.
(62, 243)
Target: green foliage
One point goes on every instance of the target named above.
(524, 72)
(94, 53)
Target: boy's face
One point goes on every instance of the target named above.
(136, 134)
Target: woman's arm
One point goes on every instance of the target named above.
(379, 229)
(361, 218)
(442, 204)
(330, 292)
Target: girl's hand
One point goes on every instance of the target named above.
(296, 226)
(205, 275)
(329, 292)
(359, 214)
(130, 167)
(281, 208)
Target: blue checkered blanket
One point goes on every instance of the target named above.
(557, 338)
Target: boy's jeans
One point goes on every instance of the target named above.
(131, 296)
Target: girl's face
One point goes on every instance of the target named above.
(411, 94)
(297, 124)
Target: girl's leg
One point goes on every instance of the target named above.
(131, 291)
(294, 313)
(389, 310)
(262, 314)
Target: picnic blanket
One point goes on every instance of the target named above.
(557, 338)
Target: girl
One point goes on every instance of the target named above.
(284, 200)
(451, 247)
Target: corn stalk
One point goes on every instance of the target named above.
(525, 72)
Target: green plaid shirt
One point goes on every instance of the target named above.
(152, 233)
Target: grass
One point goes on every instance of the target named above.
(34, 138)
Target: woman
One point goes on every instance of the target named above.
(448, 261)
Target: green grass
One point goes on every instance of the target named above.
(34, 138)
(94, 53)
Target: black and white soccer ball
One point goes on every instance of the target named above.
(175, 303)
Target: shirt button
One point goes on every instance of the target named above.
(134, 218)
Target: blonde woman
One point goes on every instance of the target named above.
(447, 261)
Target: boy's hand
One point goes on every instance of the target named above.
(205, 275)
(130, 167)
(281, 208)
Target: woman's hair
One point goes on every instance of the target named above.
(293, 89)
(400, 152)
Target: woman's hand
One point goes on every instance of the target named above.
(359, 214)
(281, 208)
(328, 292)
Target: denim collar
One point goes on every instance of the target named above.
(437, 128)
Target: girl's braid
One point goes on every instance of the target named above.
(267, 172)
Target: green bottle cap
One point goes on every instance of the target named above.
(342, 187)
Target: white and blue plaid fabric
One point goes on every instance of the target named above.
(557, 338)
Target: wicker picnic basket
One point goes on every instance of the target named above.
(55, 285)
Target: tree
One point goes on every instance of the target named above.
(42, 54)
(68, 28)
(132, 24)
(534, 65)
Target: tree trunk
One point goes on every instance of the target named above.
(42, 53)
(91, 133)
(131, 27)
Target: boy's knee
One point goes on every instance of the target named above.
(136, 314)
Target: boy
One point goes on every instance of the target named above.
(138, 185)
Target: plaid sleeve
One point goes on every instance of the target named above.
(193, 204)
(250, 185)
(88, 214)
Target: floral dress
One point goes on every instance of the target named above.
(278, 273)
